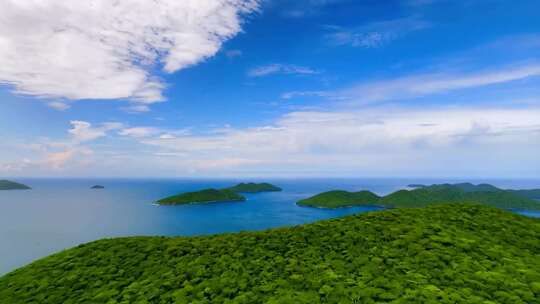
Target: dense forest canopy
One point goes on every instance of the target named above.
(452, 253)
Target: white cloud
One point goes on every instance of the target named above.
(60, 106)
(82, 131)
(372, 141)
(277, 68)
(138, 132)
(375, 34)
(107, 49)
(432, 83)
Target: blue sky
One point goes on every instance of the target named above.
(429, 88)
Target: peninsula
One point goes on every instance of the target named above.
(481, 255)
(427, 195)
(202, 196)
(254, 188)
(10, 185)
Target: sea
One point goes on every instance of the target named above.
(57, 214)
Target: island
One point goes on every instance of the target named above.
(254, 188)
(469, 187)
(340, 198)
(97, 187)
(457, 253)
(427, 195)
(10, 185)
(202, 196)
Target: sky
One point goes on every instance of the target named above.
(270, 88)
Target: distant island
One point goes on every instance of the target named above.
(340, 198)
(468, 187)
(457, 253)
(230, 194)
(427, 195)
(98, 187)
(10, 185)
(254, 188)
(203, 196)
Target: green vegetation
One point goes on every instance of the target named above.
(9, 185)
(339, 198)
(427, 195)
(468, 187)
(98, 187)
(456, 253)
(203, 196)
(254, 188)
(531, 193)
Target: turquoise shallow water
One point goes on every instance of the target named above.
(61, 213)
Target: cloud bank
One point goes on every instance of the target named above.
(108, 49)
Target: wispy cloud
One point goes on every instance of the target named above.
(375, 34)
(278, 68)
(432, 83)
(82, 131)
(109, 49)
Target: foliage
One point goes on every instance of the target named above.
(531, 193)
(254, 188)
(10, 185)
(339, 198)
(427, 195)
(456, 253)
(202, 196)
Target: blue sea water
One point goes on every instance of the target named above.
(61, 213)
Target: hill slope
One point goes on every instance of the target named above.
(9, 185)
(439, 254)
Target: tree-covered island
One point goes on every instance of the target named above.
(427, 195)
(254, 188)
(10, 185)
(202, 196)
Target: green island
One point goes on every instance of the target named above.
(427, 195)
(10, 185)
(202, 196)
(254, 188)
(340, 198)
(450, 253)
(468, 187)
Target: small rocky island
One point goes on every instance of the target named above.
(254, 188)
(203, 196)
(10, 185)
(98, 187)
(425, 195)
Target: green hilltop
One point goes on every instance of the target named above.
(202, 196)
(10, 185)
(458, 253)
(254, 188)
(427, 195)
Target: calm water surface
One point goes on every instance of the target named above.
(61, 213)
